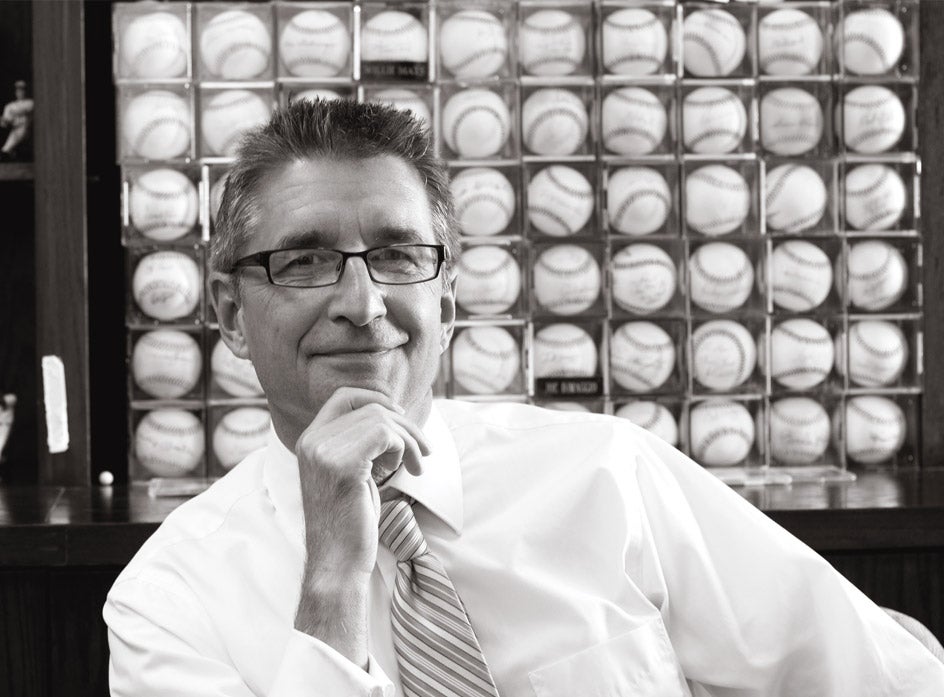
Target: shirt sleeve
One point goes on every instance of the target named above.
(751, 610)
(162, 643)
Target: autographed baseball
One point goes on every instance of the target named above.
(554, 121)
(791, 121)
(652, 416)
(873, 119)
(566, 279)
(876, 197)
(714, 120)
(166, 363)
(560, 200)
(642, 356)
(169, 442)
(644, 278)
(872, 41)
(799, 430)
(235, 45)
(720, 433)
(877, 353)
(720, 277)
(489, 280)
(155, 125)
(485, 360)
(154, 46)
(233, 375)
(635, 42)
(723, 354)
(166, 285)
(476, 123)
(717, 200)
(801, 353)
(226, 116)
(394, 35)
(484, 200)
(713, 43)
(315, 43)
(551, 42)
(564, 350)
(877, 275)
(795, 197)
(638, 200)
(634, 121)
(407, 100)
(240, 432)
(163, 204)
(801, 275)
(875, 428)
(789, 42)
(473, 44)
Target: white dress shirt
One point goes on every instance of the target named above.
(593, 559)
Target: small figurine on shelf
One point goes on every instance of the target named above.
(7, 402)
(18, 117)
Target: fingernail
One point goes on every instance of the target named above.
(399, 409)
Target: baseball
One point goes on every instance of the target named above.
(877, 275)
(714, 120)
(485, 360)
(717, 200)
(408, 100)
(720, 277)
(315, 43)
(154, 46)
(789, 42)
(871, 40)
(638, 200)
(652, 416)
(564, 350)
(163, 204)
(875, 197)
(875, 428)
(566, 279)
(169, 442)
(473, 44)
(554, 121)
(233, 375)
(644, 278)
(551, 42)
(155, 125)
(877, 353)
(720, 433)
(801, 353)
(393, 35)
(873, 119)
(634, 121)
(791, 121)
(240, 432)
(166, 285)
(235, 45)
(216, 196)
(723, 354)
(166, 363)
(560, 200)
(483, 199)
(801, 275)
(799, 430)
(634, 42)
(713, 43)
(489, 280)
(476, 123)
(226, 116)
(642, 356)
(795, 198)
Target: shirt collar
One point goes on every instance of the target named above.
(439, 488)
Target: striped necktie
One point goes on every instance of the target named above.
(437, 651)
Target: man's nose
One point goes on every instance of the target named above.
(355, 296)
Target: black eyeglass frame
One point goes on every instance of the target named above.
(262, 259)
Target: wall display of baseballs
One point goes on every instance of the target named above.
(702, 217)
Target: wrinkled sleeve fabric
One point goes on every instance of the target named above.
(750, 609)
(163, 643)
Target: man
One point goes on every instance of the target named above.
(521, 551)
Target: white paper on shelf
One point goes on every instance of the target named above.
(57, 410)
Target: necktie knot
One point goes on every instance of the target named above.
(399, 531)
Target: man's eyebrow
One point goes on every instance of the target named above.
(388, 234)
(392, 234)
(306, 238)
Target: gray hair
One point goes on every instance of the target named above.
(331, 129)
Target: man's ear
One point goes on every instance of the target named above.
(229, 314)
(448, 309)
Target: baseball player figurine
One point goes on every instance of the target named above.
(7, 402)
(18, 117)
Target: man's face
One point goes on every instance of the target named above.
(307, 342)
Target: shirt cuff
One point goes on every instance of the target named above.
(311, 665)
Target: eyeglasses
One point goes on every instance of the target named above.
(393, 264)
